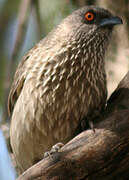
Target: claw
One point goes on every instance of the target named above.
(55, 148)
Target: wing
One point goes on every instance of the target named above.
(26, 65)
(17, 85)
(20, 77)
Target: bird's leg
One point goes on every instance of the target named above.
(87, 121)
(91, 125)
(55, 148)
(90, 119)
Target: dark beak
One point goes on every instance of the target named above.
(111, 21)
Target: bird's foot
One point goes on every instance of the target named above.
(88, 121)
(92, 117)
(55, 148)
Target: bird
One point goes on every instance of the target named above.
(59, 82)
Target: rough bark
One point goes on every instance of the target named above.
(103, 154)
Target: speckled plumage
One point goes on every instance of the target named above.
(58, 83)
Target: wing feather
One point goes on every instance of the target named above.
(17, 85)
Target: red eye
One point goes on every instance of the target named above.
(89, 16)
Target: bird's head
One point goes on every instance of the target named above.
(90, 22)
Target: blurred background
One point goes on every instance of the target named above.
(22, 24)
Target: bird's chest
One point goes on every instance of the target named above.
(79, 94)
(84, 92)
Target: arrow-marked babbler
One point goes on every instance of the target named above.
(60, 81)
